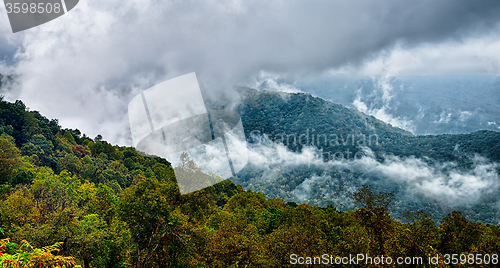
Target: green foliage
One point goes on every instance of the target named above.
(24, 255)
(374, 214)
(146, 207)
(458, 234)
(9, 157)
(111, 206)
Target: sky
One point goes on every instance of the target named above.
(84, 67)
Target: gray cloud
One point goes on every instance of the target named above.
(84, 67)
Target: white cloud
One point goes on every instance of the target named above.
(85, 66)
(272, 82)
(379, 108)
(439, 182)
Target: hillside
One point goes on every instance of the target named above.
(396, 160)
(290, 114)
(83, 202)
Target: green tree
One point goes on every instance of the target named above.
(9, 157)
(458, 234)
(190, 177)
(374, 213)
(146, 208)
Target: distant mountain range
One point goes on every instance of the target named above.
(422, 104)
(289, 115)
(432, 172)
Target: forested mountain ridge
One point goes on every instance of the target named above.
(396, 161)
(289, 114)
(111, 206)
(80, 195)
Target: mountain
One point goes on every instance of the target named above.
(295, 114)
(393, 158)
(102, 205)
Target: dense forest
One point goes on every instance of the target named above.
(294, 114)
(341, 135)
(70, 200)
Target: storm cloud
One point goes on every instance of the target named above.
(85, 67)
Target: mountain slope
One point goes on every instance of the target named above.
(437, 173)
(110, 206)
(294, 114)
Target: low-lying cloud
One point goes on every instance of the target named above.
(84, 67)
(446, 183)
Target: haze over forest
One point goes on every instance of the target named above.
(342, 103)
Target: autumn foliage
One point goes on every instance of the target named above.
(83, 201)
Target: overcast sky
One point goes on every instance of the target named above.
(84, 67)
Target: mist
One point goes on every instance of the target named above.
(332, 182)
(84, 67)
